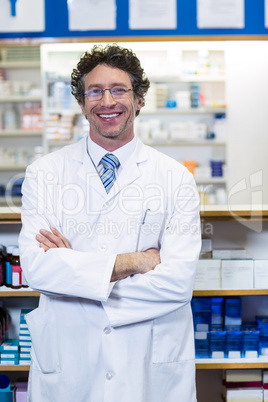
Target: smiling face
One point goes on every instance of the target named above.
(111, 121)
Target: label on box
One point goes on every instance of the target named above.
(237, 274)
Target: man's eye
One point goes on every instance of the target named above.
(94, 92)
(118, 90)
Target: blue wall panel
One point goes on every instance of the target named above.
(56, 23)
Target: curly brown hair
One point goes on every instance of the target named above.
(114, 56)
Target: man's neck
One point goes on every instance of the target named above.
(110, 144)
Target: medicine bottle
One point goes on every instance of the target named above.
(8, 269)
(16, 269)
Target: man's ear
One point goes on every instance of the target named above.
(139, 103)
(82, 108)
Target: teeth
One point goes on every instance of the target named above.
(109, 115)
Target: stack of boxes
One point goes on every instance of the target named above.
(10, 352)
(243, 385)
(25, 341)
(229, 269)
(220, 333)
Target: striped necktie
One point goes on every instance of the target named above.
(109, 162)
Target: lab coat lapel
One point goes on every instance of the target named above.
(87, 172)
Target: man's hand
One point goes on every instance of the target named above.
(138, 262)
(53, 239)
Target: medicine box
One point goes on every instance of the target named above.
(244, 395)
(237, 274)
(208, 274)
(234, 344)
(221, 254)
(261, 274)
(217, 344)
(20, 391)
(202, 345)
(217, 316)
(10, 345)
(233, 314)
(201, 314)
(251, 343)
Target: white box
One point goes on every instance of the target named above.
(244, 395)
(237, 274)
(261, 274)
(208, 274)
(221, 254)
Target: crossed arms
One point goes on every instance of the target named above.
(125, 264)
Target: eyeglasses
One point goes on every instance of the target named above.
(97, 94)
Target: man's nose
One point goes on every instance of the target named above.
(107, 99)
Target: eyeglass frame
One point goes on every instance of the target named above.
(101, 91)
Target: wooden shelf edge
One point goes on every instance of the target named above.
(219, 366)
(15, 367)
(18, 293)
(239, 215)
(196, 293)
(230, 292)
(235, 215)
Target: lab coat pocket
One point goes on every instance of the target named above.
(150, 230)
(44, 352)
(173, 339)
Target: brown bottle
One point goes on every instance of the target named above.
(16, 269)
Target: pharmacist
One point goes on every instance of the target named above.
(115, 256)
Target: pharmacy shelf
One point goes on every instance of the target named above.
(165, 79)
(64, 112)
(20, 64)
(202, 78)
(10, 215)
(211, 180)
(59, 143)
(15, 367)
(201, 364)
(6, 200)
(23, 292)
(212, 364)
(177, 111)
(20, 133)
(177, 143)
(234, 213)
(208, 212)
(12, 168)
(230, 292)
(20, 99)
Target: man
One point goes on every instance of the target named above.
(115, 257)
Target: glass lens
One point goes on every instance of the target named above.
(118, 93)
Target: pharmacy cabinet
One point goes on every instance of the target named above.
(238, 228)
(14, 300)
(21, 121)
(234, 229)
(185, 109)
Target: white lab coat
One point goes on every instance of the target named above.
(94, 341)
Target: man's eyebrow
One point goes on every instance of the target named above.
(114, 84)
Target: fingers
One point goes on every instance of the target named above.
(53, 239)
(45, 243)
(60, 236)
